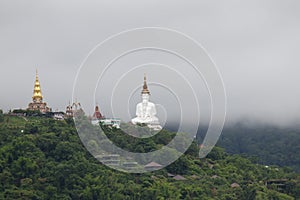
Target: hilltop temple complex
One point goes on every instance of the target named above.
(37, 103)
(145, 110)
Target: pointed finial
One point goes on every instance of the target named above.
(37, 93)
(36, 74)
(145, 87)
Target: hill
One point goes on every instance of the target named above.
(269, 145)
(41, 158)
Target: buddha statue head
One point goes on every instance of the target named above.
(145, 98)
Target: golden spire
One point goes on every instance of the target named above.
(37, 93)
(145, 87)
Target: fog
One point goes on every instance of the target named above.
(255, 45)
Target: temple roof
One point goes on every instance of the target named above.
(153, 164)
(97, 114)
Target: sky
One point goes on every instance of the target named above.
(255, 45)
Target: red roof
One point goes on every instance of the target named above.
(153, 164)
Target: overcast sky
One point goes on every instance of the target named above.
(255, 44)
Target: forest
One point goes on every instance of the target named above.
(43, 158)
(269, 145)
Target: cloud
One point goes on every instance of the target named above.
(254, 43)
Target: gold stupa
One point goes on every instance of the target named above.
(37, 93)
(37, 103)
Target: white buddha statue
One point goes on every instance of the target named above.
(146, 111)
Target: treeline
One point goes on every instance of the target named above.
(32, 113)
(268, 145)
(41, 158)
(1, 116)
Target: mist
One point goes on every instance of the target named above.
(255, 45)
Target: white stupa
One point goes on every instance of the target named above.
(146, 111)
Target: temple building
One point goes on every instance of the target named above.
(37, 103)
(69, 110)
(97, 114)
(98, 119)
(73, 108)
(146, 110)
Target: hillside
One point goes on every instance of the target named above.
(268, 144)
(41, 158)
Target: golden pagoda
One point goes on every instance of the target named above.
(37, 98)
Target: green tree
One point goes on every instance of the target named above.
(52, 163)
(1, 116)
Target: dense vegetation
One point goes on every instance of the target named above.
(41, 158)
(270, 145)
(1, 116)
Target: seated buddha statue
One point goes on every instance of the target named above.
(146, 111)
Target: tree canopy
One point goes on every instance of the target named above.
(41, 158)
